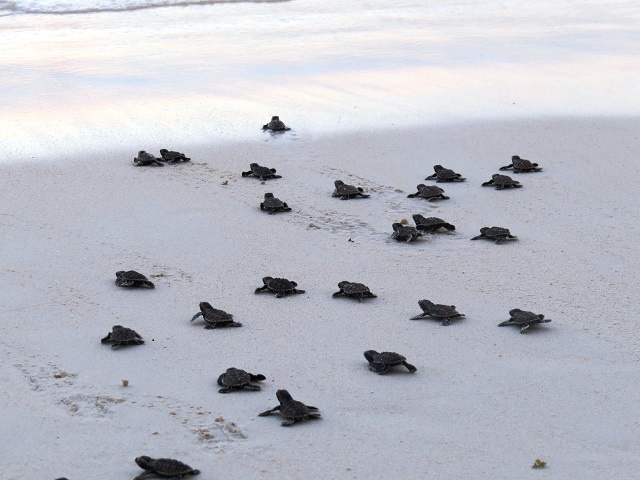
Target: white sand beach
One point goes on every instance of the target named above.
(485, 401)
(376, 94)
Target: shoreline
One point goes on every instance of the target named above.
(485, 402)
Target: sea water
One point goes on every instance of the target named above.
(81, 76)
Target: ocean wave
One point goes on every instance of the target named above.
(70, 7)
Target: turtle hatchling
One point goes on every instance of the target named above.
(501, 182)
(145, 158)
(263, 173)
(292, 410)
(444, 313)
(346, 192)
(523, 319)
(275, 125)
(497, 234)
(173, 157)
(383, 361)
(132, 279)
(120, 335)
(215, 318)
(405, 232)
(431, 224)
(521, 165)
(430, 192)
(164, 467)
(354, 290)
(445, 175)
(237, 379)
(280, 286)
(272, 204)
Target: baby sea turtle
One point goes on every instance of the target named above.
(236, 379)
(383, 361)
(445, 175)
(173, 157)
(444, 313)
(346, 192)
(164, 467)
(430, 192)
(215, 318)
(145, 158)
(263, 173)
(292, 410)
(498, 234)
(521, 165)
(280, 286)
(272, 204)
(405, 232)
(132, 279)
(354, 290)
(120, 335)
(431, 224)
(523, 319)
(275, 125)
(501, 182)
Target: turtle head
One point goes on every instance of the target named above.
(266, 280)
(144, 462)
(117, 327)
(515, 311)
(417, 217)
(515, 157)
(141, 153)
(120, 273)
(421, 185)
(342, 284)
(484, 230)
(253, 165)
(396, 227)
(283, 396)
(205, 306)
(275, 118)
(370, 355)
(268, 195)
(495, 175)
(338, 183)
(437, 167)
(425, 305)
(163, 151)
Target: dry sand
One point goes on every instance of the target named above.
(485, 401)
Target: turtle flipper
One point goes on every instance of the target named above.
(124, 282)
(253, 387)
(225, 390)
(247, 174)
(257, 378)
(524, 327)
(298, 291)
(260, 289)
(288, 423)
(235, 324)
(419, 317)
(269, 412)
(143, 474)
(446, 322)
(337, 294)
(210, 326)
(479, 237)
(488, 184)
(507, 167)
(410, 367)
(378, 367)
(505, 323)
(197, 315)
